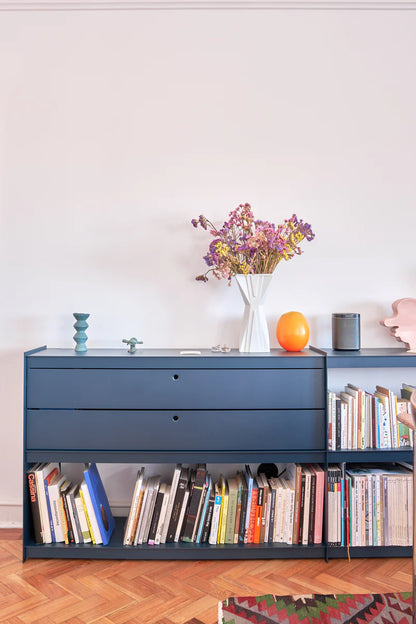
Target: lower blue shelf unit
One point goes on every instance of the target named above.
(158, 406)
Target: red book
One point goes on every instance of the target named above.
(259, 513)
(253, 513)
(296, 514)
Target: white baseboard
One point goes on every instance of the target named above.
(11, 516)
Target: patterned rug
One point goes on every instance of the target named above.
(318, 609)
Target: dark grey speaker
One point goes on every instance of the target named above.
(346, 331)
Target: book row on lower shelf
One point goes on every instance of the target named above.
(370, 505)
(358, 419)
(68, 512)
(241, 509)
(365, 506)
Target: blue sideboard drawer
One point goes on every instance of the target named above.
(176, 430)
(175, 389)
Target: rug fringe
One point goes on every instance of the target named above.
(220, 612)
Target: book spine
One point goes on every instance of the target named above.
(87, 517)
(34, 507)
(311, 533)
(259, 515)
(155, 519)
(243, 515)
(272, 514)
(252, 517)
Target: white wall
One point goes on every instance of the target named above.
(116, 128)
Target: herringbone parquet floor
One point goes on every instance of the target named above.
(55, 591)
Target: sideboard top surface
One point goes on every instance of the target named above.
(172, 358)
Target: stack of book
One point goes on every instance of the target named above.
(369, 505)
(68, 512)
(240, 509)
(358, 419)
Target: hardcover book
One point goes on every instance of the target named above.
(99, 502)
(194, 504)
(34, 504)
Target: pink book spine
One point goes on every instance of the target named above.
(319, 505)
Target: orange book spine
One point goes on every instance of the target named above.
(253, 514)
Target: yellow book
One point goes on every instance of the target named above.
(224, 510)
(87, 516)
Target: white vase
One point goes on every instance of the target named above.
(254, 336)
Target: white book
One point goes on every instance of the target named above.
(91, 515)
(166, 491)
(291, 511)
(54, 496)
(332, 420)
(215, 516)
(133, 507)
(172, 494)
(43, 473)
(154, 483)
(142, 520)
(278, 510)
(182, 514)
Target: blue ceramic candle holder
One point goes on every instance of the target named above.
(80, 336)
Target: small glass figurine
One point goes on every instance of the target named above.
(132, 342)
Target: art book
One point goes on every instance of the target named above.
(99, 502)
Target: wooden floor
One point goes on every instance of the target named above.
(52, 591)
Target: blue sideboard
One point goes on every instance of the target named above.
(158, 406)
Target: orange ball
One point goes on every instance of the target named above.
(292, 331)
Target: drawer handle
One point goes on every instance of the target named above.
(175, 376)
(175, 418)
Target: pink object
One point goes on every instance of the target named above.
(403, 322)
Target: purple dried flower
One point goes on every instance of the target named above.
(245, 245)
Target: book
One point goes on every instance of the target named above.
(208, 515)
(100, 504)
(76, 527)
(63, 509)
(44, 472)
(156, 514)
(129, 531)
(163, 511)
(183, 512)
(213, 535)
(177, 504)
(205, 504)
(311, 529)
(172, 493)
(259, 510)
(273, 491)
(93, 525)
(48, 479)
(319, 502)
(34, 504)
(153, 488)
(142, 515)
(86, 537)
(233, 486)
(392, 413)
(139, 514)
(224, 510)
(290, 502)
(84, 504)
(252, 512)
(194, 505)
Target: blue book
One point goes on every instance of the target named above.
(102, 511)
